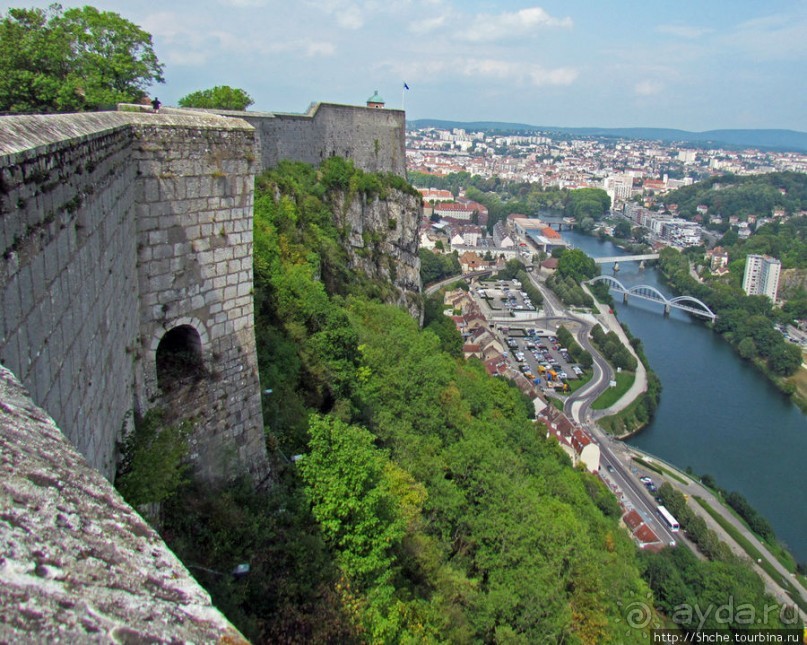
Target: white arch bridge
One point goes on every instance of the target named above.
(645, 292)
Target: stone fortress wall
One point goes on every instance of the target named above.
(372, 138)
(122, 234)
(117, 228)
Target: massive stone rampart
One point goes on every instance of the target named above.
(120, 231)
(373, 139)
(118, 228)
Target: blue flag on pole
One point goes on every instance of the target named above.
(406, 87)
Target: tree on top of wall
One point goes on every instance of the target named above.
(221, 97)
(79, 59)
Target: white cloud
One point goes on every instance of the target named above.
(187, 58)
(427, 25)
(244, 3)
(168, 26)
(349, 15)
(774, 37)
(513, 72)
(648, 87)
(559, 76)
(689, 32)
(319, 49)
(487, 27)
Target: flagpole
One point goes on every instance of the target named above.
(403, 98)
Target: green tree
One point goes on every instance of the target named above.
(623, 230)
(576, 264)
(80, 59)
(747, 348)
(352, 499)
(153, 462)
(221, 97)
(785, 359)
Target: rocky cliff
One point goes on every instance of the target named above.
(381, 234)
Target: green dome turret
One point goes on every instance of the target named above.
(375, 101)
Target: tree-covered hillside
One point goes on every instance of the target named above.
(413, 498)
(730, 195)
(448, 514)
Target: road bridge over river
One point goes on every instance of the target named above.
(645, 292)
(626, 258)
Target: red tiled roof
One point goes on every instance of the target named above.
(633, 520)
(645, 534)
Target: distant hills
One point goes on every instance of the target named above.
(784, 140)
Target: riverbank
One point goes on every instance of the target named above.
(717, 414)
(623, 420)
(784, 584)
(739, 325)
(794, 386)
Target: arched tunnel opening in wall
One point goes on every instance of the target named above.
(179, 358)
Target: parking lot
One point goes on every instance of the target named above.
(541, 358)
(505, 296)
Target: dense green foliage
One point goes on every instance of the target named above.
(79, 59)
(569, 291)
(612, 349)
(290, 593)
(695, 526)
(587, 204)
(442, 326)
(681, 581)
(436, 266)
(756, 522)
(785, 240)
(221, 97)
(734, 195)
(421, 503)
(152, 465)
(745, 321)
(527, 286)
(438, 512)
(574, 263)
(578, 354)
(696, 595)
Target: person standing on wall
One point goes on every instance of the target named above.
(155, 104)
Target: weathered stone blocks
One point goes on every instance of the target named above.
(99, 217)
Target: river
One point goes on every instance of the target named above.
(717, 414)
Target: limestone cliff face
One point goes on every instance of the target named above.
(382, 241)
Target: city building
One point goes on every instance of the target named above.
(761, 276)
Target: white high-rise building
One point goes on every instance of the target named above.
(761, 276)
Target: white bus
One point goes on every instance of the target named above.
(668, 519)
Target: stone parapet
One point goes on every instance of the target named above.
(80, 565)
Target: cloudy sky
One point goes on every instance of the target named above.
(690, 64)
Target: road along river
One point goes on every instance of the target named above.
(717, 414)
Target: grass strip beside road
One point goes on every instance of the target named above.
(624, 380)
(660, 470)
(577, 383)
(753, 553)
